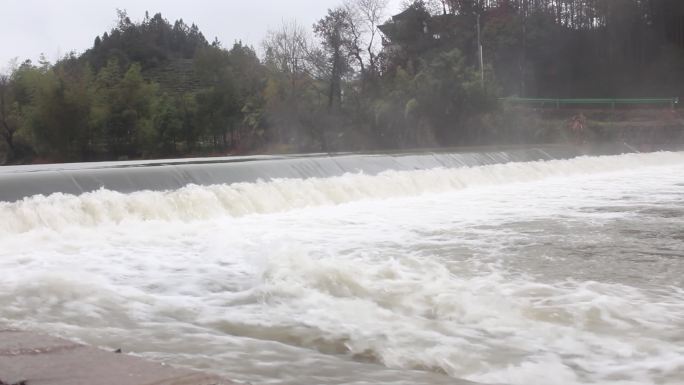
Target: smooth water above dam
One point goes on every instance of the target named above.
(532, 267)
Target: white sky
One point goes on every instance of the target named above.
(56, 27)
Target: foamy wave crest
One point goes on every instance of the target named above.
(415, 313)
(204, 202)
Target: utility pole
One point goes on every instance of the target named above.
(480, 51)
(523, 53)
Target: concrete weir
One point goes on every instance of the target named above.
(28, 358)
(19, 182)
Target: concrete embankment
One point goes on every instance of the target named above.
(34, 359)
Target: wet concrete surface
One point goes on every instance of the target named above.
(28, 358)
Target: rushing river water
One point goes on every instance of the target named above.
(561, 272)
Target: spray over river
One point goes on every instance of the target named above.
(514, 271)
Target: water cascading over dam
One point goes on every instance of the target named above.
(512, 266)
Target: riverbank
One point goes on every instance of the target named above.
(644, 128)
(28, 358)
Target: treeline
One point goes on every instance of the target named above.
(355, 80)
(563, 48)
(146, 89)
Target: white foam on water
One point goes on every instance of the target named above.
(203, 202)
(421, 288)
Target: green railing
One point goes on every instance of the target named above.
(558, 103)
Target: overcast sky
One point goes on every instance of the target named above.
(56, 27)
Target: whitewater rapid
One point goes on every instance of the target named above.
(558, 272)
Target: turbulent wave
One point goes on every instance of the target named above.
(513, 314)
(203, 202)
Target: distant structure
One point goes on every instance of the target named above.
(414, 31)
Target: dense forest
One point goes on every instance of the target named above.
(358, 79)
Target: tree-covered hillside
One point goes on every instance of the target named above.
(357, 79)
